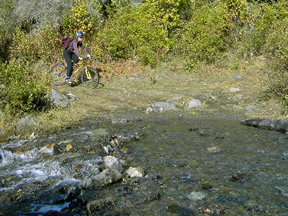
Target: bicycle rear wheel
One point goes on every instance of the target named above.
(58, 73)
(90, 77)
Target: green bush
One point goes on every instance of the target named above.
(204, 37)
(132, 33)
(262, 17)
(45, 44)
(22, 89)
(276, 52)
(7, 26)
(77, 19)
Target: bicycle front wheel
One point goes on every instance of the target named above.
(58, 73)
(90, 77)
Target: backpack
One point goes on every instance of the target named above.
(66, 42)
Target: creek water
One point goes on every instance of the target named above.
(193, 166)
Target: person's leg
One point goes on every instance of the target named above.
(75, 59)
(68, 59)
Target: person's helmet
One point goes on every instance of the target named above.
(80, 34)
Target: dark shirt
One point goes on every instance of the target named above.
(73, 47)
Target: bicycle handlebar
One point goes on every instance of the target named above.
(85, 59)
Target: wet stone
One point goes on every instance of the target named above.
(106, 177)
(180, 210)
(111, 162)
(207, 187)
(54, 213)
(196, 196)
(101, 206)
(135, 172)
(241, 177)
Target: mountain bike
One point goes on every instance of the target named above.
(88, 76)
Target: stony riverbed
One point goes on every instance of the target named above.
(191, 166)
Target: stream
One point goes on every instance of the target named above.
(193, 166)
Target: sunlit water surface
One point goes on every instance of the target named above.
(197, 167)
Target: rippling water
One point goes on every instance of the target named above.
(193, 167)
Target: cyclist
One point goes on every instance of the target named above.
(71, 54)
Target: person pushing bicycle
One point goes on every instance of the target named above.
(71, 54)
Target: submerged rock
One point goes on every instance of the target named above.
(49, 149)
(100, 207)
(180, 210)
(106, 177)
(195, 196)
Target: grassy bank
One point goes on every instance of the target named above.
(130, 93)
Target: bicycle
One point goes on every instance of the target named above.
(88, 76)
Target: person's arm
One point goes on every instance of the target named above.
(84, 49)
(75, 48)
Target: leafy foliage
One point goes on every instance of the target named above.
(262, 17)
(276, 50)
(79, 19)
(145, 31)
(132, 33)
(205, 35)
(6, 27)
(22, 89)
(38, 13)
(45, 45)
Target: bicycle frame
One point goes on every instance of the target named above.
(87, 75)
(80, 65)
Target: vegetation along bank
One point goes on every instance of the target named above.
(230, 54)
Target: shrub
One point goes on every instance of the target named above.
(276, 52)
(132, 33)
(22, 89)
(146, 32)
(204, 37)
(262, 17)
(7, 26)
(79, 19)
(44, 44)
(33, 14)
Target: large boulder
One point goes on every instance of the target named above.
(58, 99)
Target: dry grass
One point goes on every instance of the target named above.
(132, 91)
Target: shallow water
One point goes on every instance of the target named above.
(193, 167)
